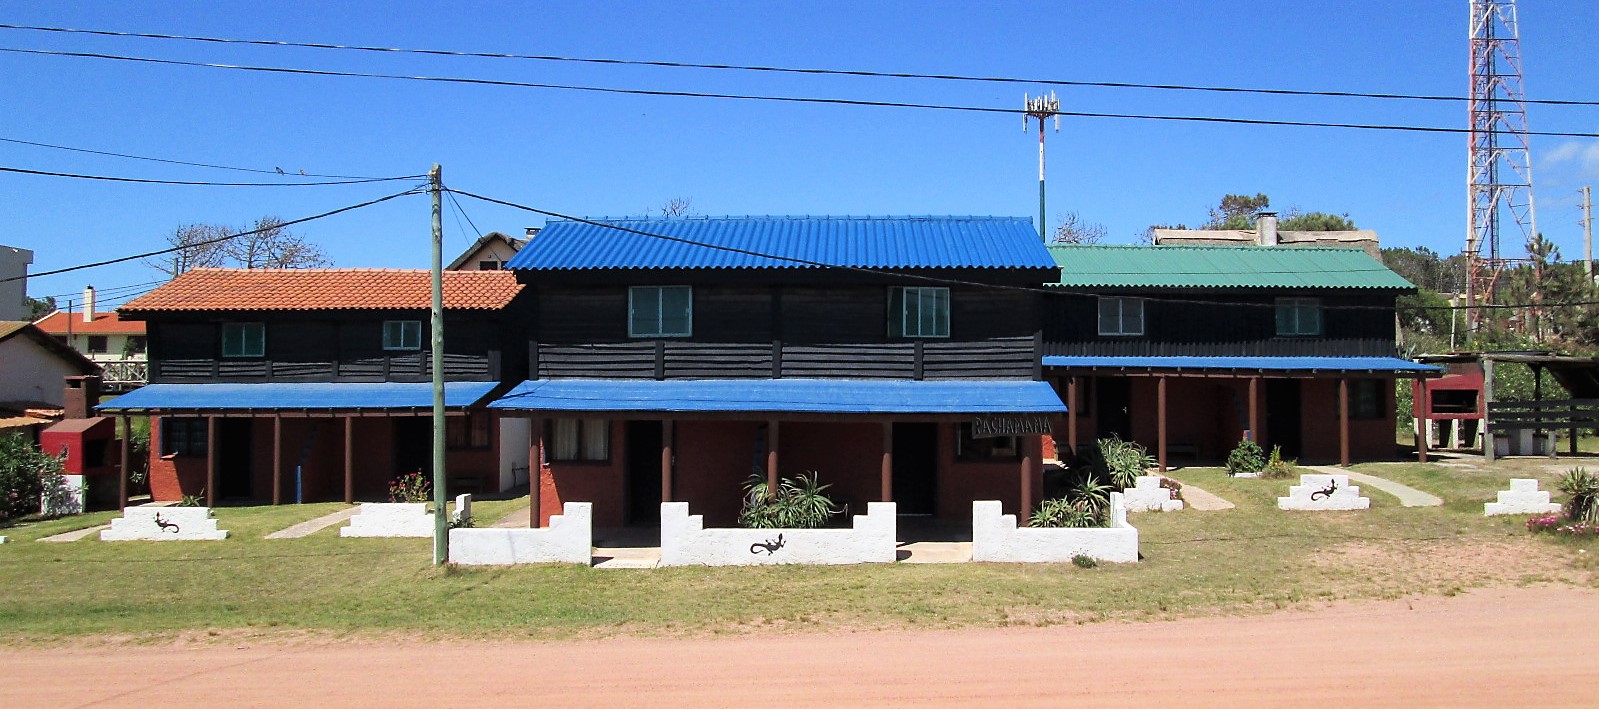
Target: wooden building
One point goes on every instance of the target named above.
(1190, 349)
(898, 358)
(314, 384)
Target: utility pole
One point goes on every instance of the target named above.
(1587, 232)
(441, 539)
(1041, 108)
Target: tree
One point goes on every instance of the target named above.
(1316, 221)
(24, 470)
(678, 207)
(39, 307)
(197, 247)
(273, 246)
(1237, 211)
(1072, 230)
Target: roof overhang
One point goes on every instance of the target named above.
(1246, 366)
(307, 398)
(754, 398)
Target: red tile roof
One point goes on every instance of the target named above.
(326, 289)
(104, 324)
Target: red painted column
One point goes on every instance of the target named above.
(666, 460)
(1343, 421)
(349, 460)
(1254, 409)
(1160, 421)
(1026, 509)
(210, 461)
(886, 491)
(1418, 410)
(277, 459)
(535, 474)
(1071, 418)
(771, 459)
(122, 484)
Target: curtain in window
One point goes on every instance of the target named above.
(564, 439)
(596, 440)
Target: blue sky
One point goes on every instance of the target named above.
(592, 154)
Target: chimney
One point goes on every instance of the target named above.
(533, 231)
(88, 303)
(1266, 228)
(82, 395)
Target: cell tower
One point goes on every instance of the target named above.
(1042, 108)
(1499, 164)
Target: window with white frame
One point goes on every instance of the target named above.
(580, 440)
(1298, 317)
(1121, 316)
(402, 334)
(243, 339)
(918, 311)
(660, 311)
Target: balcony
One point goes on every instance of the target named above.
(123, 374)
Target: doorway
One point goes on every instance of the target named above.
(1284, 426)
(643, 466)
(234, 436)
(1113, 399)
(916, 468)
(413, 445)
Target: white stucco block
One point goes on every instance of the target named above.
(686, 542)
(569, 539)
(1523, 498)
(463, 507)
(161, 524)
(390, 519)
(1319, 491)
(1148, 496)
(5, 540)
(995, 537)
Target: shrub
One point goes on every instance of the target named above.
(1276, 468)
(24, 470)
(1084, 561)
(1085, 505)
(1582, 488)
(462, 522)
(193, 500)
(1245, 458)
(1122, 461)
(1557, 524)
(800, 503)
(1175, 487)
(411, 487)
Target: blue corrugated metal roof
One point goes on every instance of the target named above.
(829, 396)
(1276, 364)
(297, 396)
(799, 242)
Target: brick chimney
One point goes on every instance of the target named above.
(83, 393)
(1266, 228)
(88, 303)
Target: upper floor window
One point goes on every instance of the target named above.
(918, 312)
(402, 334)
(243, 339)
(183, 436)
(660, 311)
(1121, 316)
(489, 266)
(97, 344)
(135, 344)
(1298, 317)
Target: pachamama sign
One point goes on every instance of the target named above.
(994, 426)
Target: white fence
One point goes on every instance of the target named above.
(995, 537)
(1523, 498)
(159, 524)
(1323, 492)
(569, 539)
(686, 542)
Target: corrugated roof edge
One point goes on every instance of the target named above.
(801, 217)
(1206, 247)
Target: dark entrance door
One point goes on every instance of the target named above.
(1113, 400)
(643, 472)
(1283, 423)
(413, 445)
(915, 468)
(234, 436)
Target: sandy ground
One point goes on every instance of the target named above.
(1496, 647)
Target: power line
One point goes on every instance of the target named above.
(779, 69)
(463, 213)
(139, 180)
(291, 222)
(180, 162)
(103, 291)
(758, 97)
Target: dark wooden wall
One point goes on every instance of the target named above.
(347, 347)
(1245, 328)
(747, 331)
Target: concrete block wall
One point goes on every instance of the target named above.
(686, 542)
(995, 537)
(161, 524)
(569, 539)
(1323, 492)
(390, 519)
(1148, 496)
(1523, 498)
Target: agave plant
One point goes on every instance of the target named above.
(1582, 490)
(799, 503)
(1122, 461)
(1062, 512)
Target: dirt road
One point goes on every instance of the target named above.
(1485, 648)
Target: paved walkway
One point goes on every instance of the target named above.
(309, 527)
(75, 534)
(1408, 496)
(1202, 500)
(516, 519)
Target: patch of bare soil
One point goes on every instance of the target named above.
(1441, 564)
(1494, 647)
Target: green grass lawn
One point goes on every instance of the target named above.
(1249, 559)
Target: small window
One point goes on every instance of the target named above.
(918, 312)
(580, 439)
(1121, 316)
(975, 449)
(1298, 317)
(402, 334)
(469, 432)
(183, 437)
(244, 339)
(136, 344)
(660, 311)
(97, 344)
(1366, 399)
(488, 266)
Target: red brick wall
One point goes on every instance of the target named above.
(172, 477)
(961, 482)
(847, 456)
(598, 482)
(1369, 439)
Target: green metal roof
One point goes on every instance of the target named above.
(1170, 266)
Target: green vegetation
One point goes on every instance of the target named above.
(25, 472)
(800, 503)
(1582, 495)
(1246, 457)
(1276, 468)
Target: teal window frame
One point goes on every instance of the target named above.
(660, 311)
(243, 340)
(402, 335)
(920, 312)
(1124, 322)
(1299, 317)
